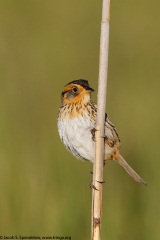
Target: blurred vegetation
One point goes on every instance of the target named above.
(43, 45)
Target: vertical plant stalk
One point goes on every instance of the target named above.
(99, 134)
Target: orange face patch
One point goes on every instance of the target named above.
(69, 96)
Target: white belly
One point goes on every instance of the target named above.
(76, 136)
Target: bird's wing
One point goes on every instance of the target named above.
(110, 130)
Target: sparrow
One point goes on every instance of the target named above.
(77, 123)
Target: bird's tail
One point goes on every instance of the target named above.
(129, 170)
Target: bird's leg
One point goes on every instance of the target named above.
(93, 130)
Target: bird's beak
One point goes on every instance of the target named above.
(89, 89)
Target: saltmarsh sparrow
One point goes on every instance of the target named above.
(76, 126)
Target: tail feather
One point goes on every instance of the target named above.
(129, 170)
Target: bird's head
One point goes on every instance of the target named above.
(76, 91)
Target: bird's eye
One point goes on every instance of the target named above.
(74, 89)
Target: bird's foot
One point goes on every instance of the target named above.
(92, 186)
(93, 130)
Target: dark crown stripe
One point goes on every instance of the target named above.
(81, 82)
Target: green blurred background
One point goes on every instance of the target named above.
(44, 44)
